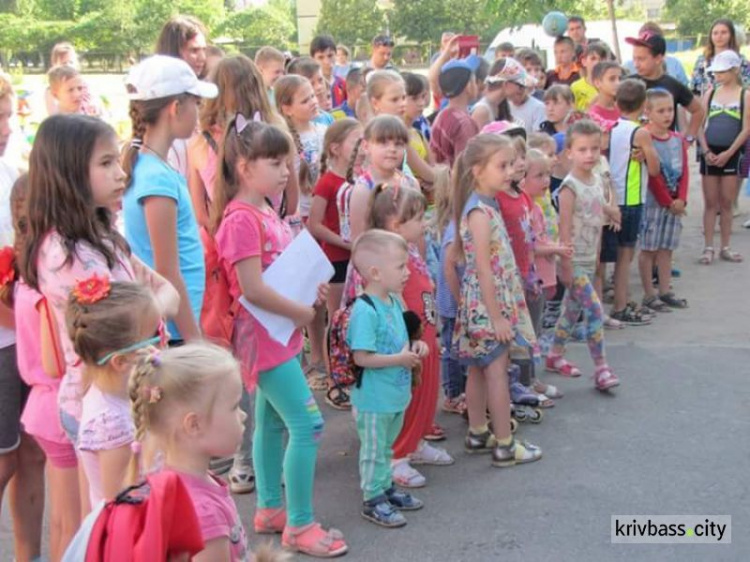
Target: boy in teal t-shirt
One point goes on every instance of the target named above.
(380, 344)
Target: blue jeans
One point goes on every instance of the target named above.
(452, 372)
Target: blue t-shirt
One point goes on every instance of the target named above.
(446, 304)
(152, 177)
(380, 329)
(324, 118)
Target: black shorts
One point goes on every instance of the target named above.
(608, 251)
(13, 395)
(731, 168)
(339, 271)
(630, 226)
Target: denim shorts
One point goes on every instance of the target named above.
(70, 426)
(630, 226)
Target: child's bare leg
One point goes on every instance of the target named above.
(599, 279)
(622, 273)
(335, 292)
(646, 267)
(476, 397)
(26, 495)
(664, 267)
(498, 396)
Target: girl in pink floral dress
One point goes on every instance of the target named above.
(492, 314)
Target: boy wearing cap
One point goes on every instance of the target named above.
(648, 57)
(454, 126)
(524, 108)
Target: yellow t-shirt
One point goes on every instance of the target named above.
(584, 93)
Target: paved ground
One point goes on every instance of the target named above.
(673, 440)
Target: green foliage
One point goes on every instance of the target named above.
(425, 20)
(694, 17)
(260, 26)
(351, 21)
(131, 26)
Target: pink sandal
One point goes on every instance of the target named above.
(269, 521)
(558, 364)
(313, 540)
(604, 378)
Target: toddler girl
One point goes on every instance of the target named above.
(492, 312)
(108, 324)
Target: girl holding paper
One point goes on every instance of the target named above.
(249, 237)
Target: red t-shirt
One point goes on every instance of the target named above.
(452, 129)
(327, 187)
(516, 212)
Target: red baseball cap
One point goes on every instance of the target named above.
(652, 41)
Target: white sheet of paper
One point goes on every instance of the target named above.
(295, 274)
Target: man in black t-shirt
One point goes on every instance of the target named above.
(648, 57)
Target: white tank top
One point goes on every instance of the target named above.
(629, 176)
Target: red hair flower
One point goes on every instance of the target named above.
(7, 266)
(91, 290)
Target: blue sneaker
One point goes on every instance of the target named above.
(381, 512)
(403, 501)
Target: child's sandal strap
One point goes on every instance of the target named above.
(313, 540)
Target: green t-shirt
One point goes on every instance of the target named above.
(380, 329)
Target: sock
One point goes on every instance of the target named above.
(482, 429)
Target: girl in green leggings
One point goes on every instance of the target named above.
(249, 237)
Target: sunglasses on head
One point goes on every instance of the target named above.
(160, 339)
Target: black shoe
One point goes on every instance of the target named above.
(403, 501)
(382, 513)
(478, 444)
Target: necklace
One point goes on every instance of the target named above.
(159, 156)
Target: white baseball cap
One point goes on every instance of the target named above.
(725, 60)
(160, 76)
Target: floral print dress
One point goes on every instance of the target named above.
(474, 339)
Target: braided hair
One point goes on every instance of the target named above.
(162, 381)
(284, 90)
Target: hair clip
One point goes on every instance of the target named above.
(155, 358)
(151, 393)
(7, 266)
(91, 290)
(240, 123)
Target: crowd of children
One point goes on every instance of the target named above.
(465, 246)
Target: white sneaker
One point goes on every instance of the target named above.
(746, 224)
(429, 454)
(405, 476)
(241, 479)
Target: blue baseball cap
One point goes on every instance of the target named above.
(456, 74)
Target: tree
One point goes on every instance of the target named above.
(694, 17)
(259, 26)
(351, 21)
(425, 20)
